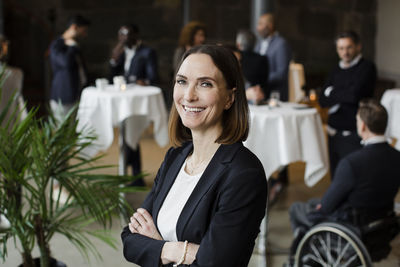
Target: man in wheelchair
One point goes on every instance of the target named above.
(362, 192)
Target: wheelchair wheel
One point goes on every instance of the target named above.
(331, 244)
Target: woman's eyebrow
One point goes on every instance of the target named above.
(181, 76)
(206, 78)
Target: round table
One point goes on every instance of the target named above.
(288, 133)
(132, 109)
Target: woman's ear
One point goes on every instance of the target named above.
(230, 98)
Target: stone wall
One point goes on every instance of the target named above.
(309, 26)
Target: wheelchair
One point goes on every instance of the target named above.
(344, 244)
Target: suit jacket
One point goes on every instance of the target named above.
(223, 213)
(143, 66)
(366, 180)
(255, 69)
(349, 87)
(66, 84)
(279, 55)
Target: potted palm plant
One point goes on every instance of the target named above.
(35, 154)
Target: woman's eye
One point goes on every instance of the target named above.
(180, 81)
(206, 84)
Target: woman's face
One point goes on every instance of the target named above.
(199, 38)
(200, 93)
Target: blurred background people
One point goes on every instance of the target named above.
(138, 64)
(351, 80)
(132, 59)
(366, 181)
(68, 66)
(278, 53)
(192, 34)
(254, 67)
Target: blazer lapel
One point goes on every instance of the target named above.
(211, 174)
(169, 179)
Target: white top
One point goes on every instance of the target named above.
(174, 203)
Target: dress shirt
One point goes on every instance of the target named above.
(129, 54)
(264, 45)
(374, 140)
(344, 66)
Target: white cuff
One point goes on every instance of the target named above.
(328, 91)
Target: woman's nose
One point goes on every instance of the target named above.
(190, 94)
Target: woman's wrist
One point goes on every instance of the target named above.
(191, 253)
(171, 252)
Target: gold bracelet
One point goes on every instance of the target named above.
(182, 259)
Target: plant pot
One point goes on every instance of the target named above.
(53, 263)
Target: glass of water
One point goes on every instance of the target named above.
(274, 99)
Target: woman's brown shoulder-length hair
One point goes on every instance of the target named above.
(235, 120)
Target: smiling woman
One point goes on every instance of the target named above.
(209, 196)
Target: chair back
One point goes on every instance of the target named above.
(296, 82)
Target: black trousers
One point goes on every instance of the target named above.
(133, 159)
(340, 146)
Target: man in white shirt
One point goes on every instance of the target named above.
(138, 64)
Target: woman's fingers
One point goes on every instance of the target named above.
(146, 215)
(139, 217)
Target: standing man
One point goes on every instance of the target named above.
(138, 64)
(278, 53)
(351, 80)
(254, 66)
(68, 66)
(132, 59)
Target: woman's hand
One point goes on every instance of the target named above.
(142, 223)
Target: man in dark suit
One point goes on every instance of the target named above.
(68, 66)
(351, 80)
(366, 181)
(138, 64)
(133, 60)
(278, 53)
(254, 67)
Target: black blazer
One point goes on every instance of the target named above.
(143, 66)
(66, 84)
(223, 213)
(367, 180)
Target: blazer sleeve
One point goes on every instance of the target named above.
(138, 248)
(235, 225)
(63, 56)
(152, 67)
(342, 184)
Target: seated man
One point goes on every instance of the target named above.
(366, 180)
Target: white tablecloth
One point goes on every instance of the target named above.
(391, 101)
(101, 110)
(289, 133)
